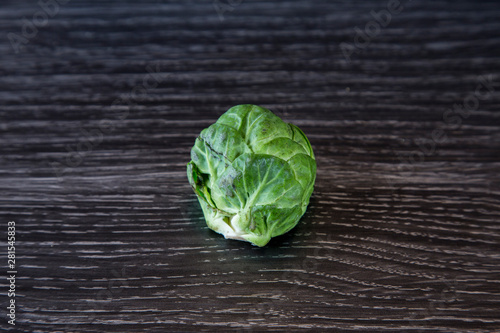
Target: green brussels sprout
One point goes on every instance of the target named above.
(253, 174)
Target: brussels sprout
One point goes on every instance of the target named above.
(253, 174)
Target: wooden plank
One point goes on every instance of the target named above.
(99, 110)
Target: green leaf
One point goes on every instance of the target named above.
(256, 124)
(256, 180)
(284, 148)
(299, 137)
(304, 168)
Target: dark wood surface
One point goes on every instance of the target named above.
(101, 105)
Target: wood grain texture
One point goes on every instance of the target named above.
(101, 106)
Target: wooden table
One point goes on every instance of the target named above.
(101, 103)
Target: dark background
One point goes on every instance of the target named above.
(100, 103)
